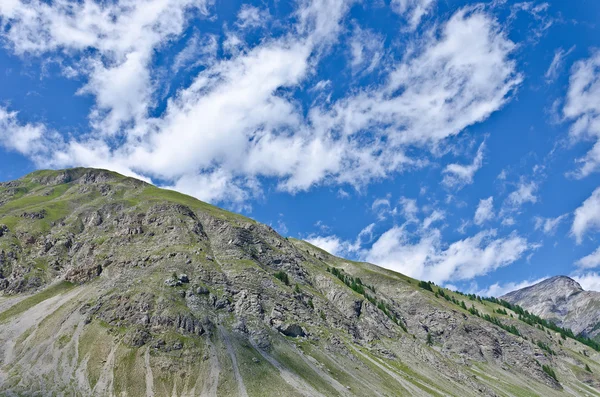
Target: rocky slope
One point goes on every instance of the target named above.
(110, 286)
(561, 300)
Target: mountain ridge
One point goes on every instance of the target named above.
(113, 286)
(562, 300)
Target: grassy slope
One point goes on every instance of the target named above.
(94, 345)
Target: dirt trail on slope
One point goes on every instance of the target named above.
(236, 370)
(149, 375)
(11, 330)
(414, 390)
(289, 377)
(105, 384)
(332, 382)
(209, 388)
(8, 302)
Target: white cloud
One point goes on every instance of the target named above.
(197, 51)
(26, 138)
(435, 216)
(525, 193)
(413, 10)
(234, 117)
(336, 246)
(123, 35)
(409, 209)
(250, 16)
(587, 216)
(458, 175)
(582, 105)
(332, 244)
(366, 50)
(425, 257)
(382, 207)
(588, 281)
(484, 211)
(508, 221)
(322, 85)
(497, 289)
(557, 63)
(589, 261)
(548, 225)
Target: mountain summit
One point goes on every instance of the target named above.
(111, 286)
(561, 300)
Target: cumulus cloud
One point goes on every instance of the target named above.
(123, 35)
(425, 257)
(582, 106)
(235, 116)
(459, 175)
(497, 289)
(26, 138)
(587, 216)
(548, 225)
(484, 211)
(332, 244)
(416, 248)
(588, 281)
(339, 247)
(589, 261)
(525, 193)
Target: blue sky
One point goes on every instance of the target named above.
(452, 141)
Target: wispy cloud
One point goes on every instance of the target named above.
(458, 175)
(557, 63)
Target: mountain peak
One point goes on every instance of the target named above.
(564, 282)
(557, 299)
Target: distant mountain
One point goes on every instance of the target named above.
(561, 300)
(110, 286)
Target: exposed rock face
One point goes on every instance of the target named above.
(561, 300)
(150, 292)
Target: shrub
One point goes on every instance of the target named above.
(550, 372)
(429, 339)
(283, 277)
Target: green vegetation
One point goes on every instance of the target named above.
(33, 300)
(283, 277)
(533, 320)
(357, 286)
(545, 347)
(587, 368)
(426, 285)
(429, 339)
(550, 372)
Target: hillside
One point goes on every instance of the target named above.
(111, 286)
(561, 300)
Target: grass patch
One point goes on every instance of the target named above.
(30, 302)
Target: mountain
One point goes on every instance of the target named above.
(111, 286)
(561, 300)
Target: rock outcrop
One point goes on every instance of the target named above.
(111, 286)
(561, 300)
